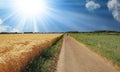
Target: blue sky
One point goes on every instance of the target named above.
(61, 16)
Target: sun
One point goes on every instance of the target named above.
(31, 7)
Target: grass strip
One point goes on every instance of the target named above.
(46, 61)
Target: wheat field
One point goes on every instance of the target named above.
(16, 50)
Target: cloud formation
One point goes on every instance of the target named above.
(4, 28)
(114, 6)
(91, 5)
(15, 30)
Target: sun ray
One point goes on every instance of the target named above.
(21, 24)
(43, 24)
(35, 25)
(8, 16)
(61, 18)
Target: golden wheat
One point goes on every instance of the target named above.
(16, 50)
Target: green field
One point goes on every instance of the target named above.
(107, 45)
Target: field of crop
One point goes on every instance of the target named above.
(16, 50)
(107, 45)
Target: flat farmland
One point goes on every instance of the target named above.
(16, 50)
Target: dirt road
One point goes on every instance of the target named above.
(75, 57)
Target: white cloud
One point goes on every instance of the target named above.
(114, 6)
(15, 30)
(4, 28)
(91, 5)
(1, 21)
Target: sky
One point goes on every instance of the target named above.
(59, 15)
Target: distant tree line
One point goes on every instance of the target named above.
(30, 32)
(101, 31)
